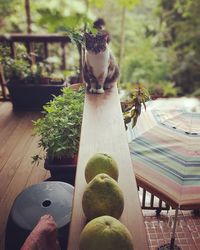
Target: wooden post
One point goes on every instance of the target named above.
(46, 50)
(29, 46)
(12, 50)
(81, 60)
(63, 46)
(103, 131)
(2, 83)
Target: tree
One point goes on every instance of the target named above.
(125, 4)
(28, 15)
(181, 25)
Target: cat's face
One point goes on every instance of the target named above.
(96, 43)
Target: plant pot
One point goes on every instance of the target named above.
(60, 171)
(32, 96)
(45, 80)
(56, 81)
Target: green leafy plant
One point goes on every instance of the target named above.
(163, 89)
(60, 128)
(131, 107)
(18, 68)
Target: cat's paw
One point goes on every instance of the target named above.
(100, 91)
(92, 90)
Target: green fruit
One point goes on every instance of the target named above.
(105, 233)
(102, 196)
(101, 163)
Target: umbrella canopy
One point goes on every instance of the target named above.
(165, 149)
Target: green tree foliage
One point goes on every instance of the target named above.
(181, 36)
(56, 19)
(144, 59)
(154, 41)
(5, 8)
(9, 15)
(129, 4)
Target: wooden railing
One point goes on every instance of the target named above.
(30, 40)
(151, 202)
(103, 131)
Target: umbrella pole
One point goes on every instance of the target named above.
(174, 230)
(171, 245)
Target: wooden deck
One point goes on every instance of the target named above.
(16, 171)
(17, 145)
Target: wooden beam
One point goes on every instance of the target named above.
(103, 131)
(63, 56)
(20, 37)
(2, 83)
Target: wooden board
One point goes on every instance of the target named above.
(103, 131)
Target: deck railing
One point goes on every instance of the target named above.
(151, 202)
(30, 41)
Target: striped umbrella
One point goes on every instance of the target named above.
(165, 149)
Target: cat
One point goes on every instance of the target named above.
(100, 69)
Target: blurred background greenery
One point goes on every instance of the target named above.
(156, 42)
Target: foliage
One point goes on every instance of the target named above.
(180, 34)
(59, 129)
(5, 7)
(18, 68)
(131, 107)
(96, 3)
(148, 64)
(129, 4)
(161, 38)
(4, 53)
(197, 93)
(163, 89)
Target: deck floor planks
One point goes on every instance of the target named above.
(17, 145)
(4, 107)
(16, 154)
(19, 181)
(7, 126)
(18, 134)
(38, 174)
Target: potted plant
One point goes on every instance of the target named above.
(34, 90)
(59, 131)
(30, 86)
(131, 106)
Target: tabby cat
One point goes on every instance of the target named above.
(100, 70)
